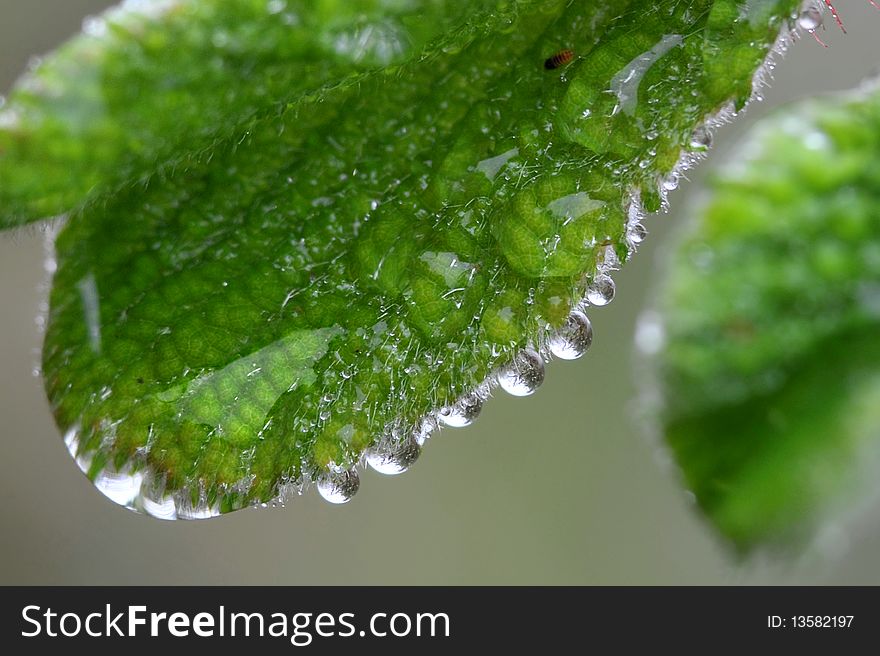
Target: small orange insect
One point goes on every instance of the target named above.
(560, 59)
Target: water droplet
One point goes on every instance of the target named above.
(625, 84)
(395, 458)
(810, 19)
(601, 292)
(574, 338)
(524, 375)
(670, 182)
(492, 166)
(462, 413)
(637, 233)
(701, 139)
(339, 486)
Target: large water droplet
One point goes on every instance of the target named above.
(524, 375)
(670, 182)
(339, 486)
(637, 233)
(810, 19)
(462, 413)
(394, 458)
(574, 338)
(601, 292)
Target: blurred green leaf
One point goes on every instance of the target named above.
(771, 369)
(295, 246)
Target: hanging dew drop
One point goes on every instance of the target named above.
(339, 486)
(637, 233)
(670, 182)
(395, 459)
(574, 338)
(810, 19)
(601, 292)
(524, 375)
(463, 413)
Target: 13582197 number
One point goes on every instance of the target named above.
(821, 621)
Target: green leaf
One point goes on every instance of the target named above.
(330, 272)
(771, 371)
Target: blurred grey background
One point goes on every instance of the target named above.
(489, 504)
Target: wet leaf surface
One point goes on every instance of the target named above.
(289, 254)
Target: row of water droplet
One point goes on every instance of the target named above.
(139, 490)
(525, 373)
(522, 376)
(400, 447)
